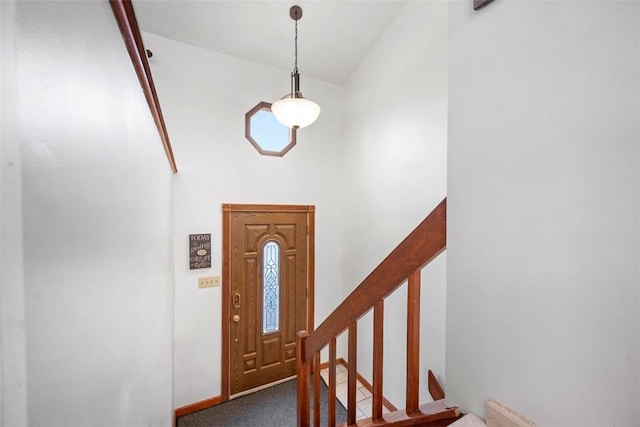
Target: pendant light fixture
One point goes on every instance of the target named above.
(294, 110)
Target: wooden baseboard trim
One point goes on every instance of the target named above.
(369, 387)
(435, 390)
(341, 361)
(198, 406)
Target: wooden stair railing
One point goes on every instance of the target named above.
(404, 263)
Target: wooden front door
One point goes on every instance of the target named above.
(267, 275)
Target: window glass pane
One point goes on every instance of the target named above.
(268, 132)
(271, 290)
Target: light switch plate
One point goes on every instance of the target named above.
(208, 282)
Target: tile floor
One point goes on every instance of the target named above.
(363, 395)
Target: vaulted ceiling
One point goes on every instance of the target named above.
(333, 36)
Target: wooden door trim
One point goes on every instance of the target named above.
(227, 209)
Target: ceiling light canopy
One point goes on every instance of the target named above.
(294, 110)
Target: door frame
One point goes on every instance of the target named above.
(227, 210)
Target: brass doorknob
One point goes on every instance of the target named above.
(235, 318)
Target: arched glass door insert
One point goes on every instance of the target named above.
(271, 287)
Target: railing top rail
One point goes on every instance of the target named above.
(421, 246)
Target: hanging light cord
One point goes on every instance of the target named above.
(294, 74)
(295, 68)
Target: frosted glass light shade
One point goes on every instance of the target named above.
(295, 112)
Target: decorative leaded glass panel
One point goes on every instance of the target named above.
(271, 287)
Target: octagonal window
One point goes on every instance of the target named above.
(266, 134)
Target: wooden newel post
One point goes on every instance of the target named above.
(303, 372)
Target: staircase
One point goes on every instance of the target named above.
(404, 263)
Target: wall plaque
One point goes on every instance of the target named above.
(199, 251)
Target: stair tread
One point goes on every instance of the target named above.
(428, 413)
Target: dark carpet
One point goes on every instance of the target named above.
(275, 406)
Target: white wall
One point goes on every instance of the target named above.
(96, 224)
(205, 96)
(13, 387)
(542, 301)
(395, 142)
